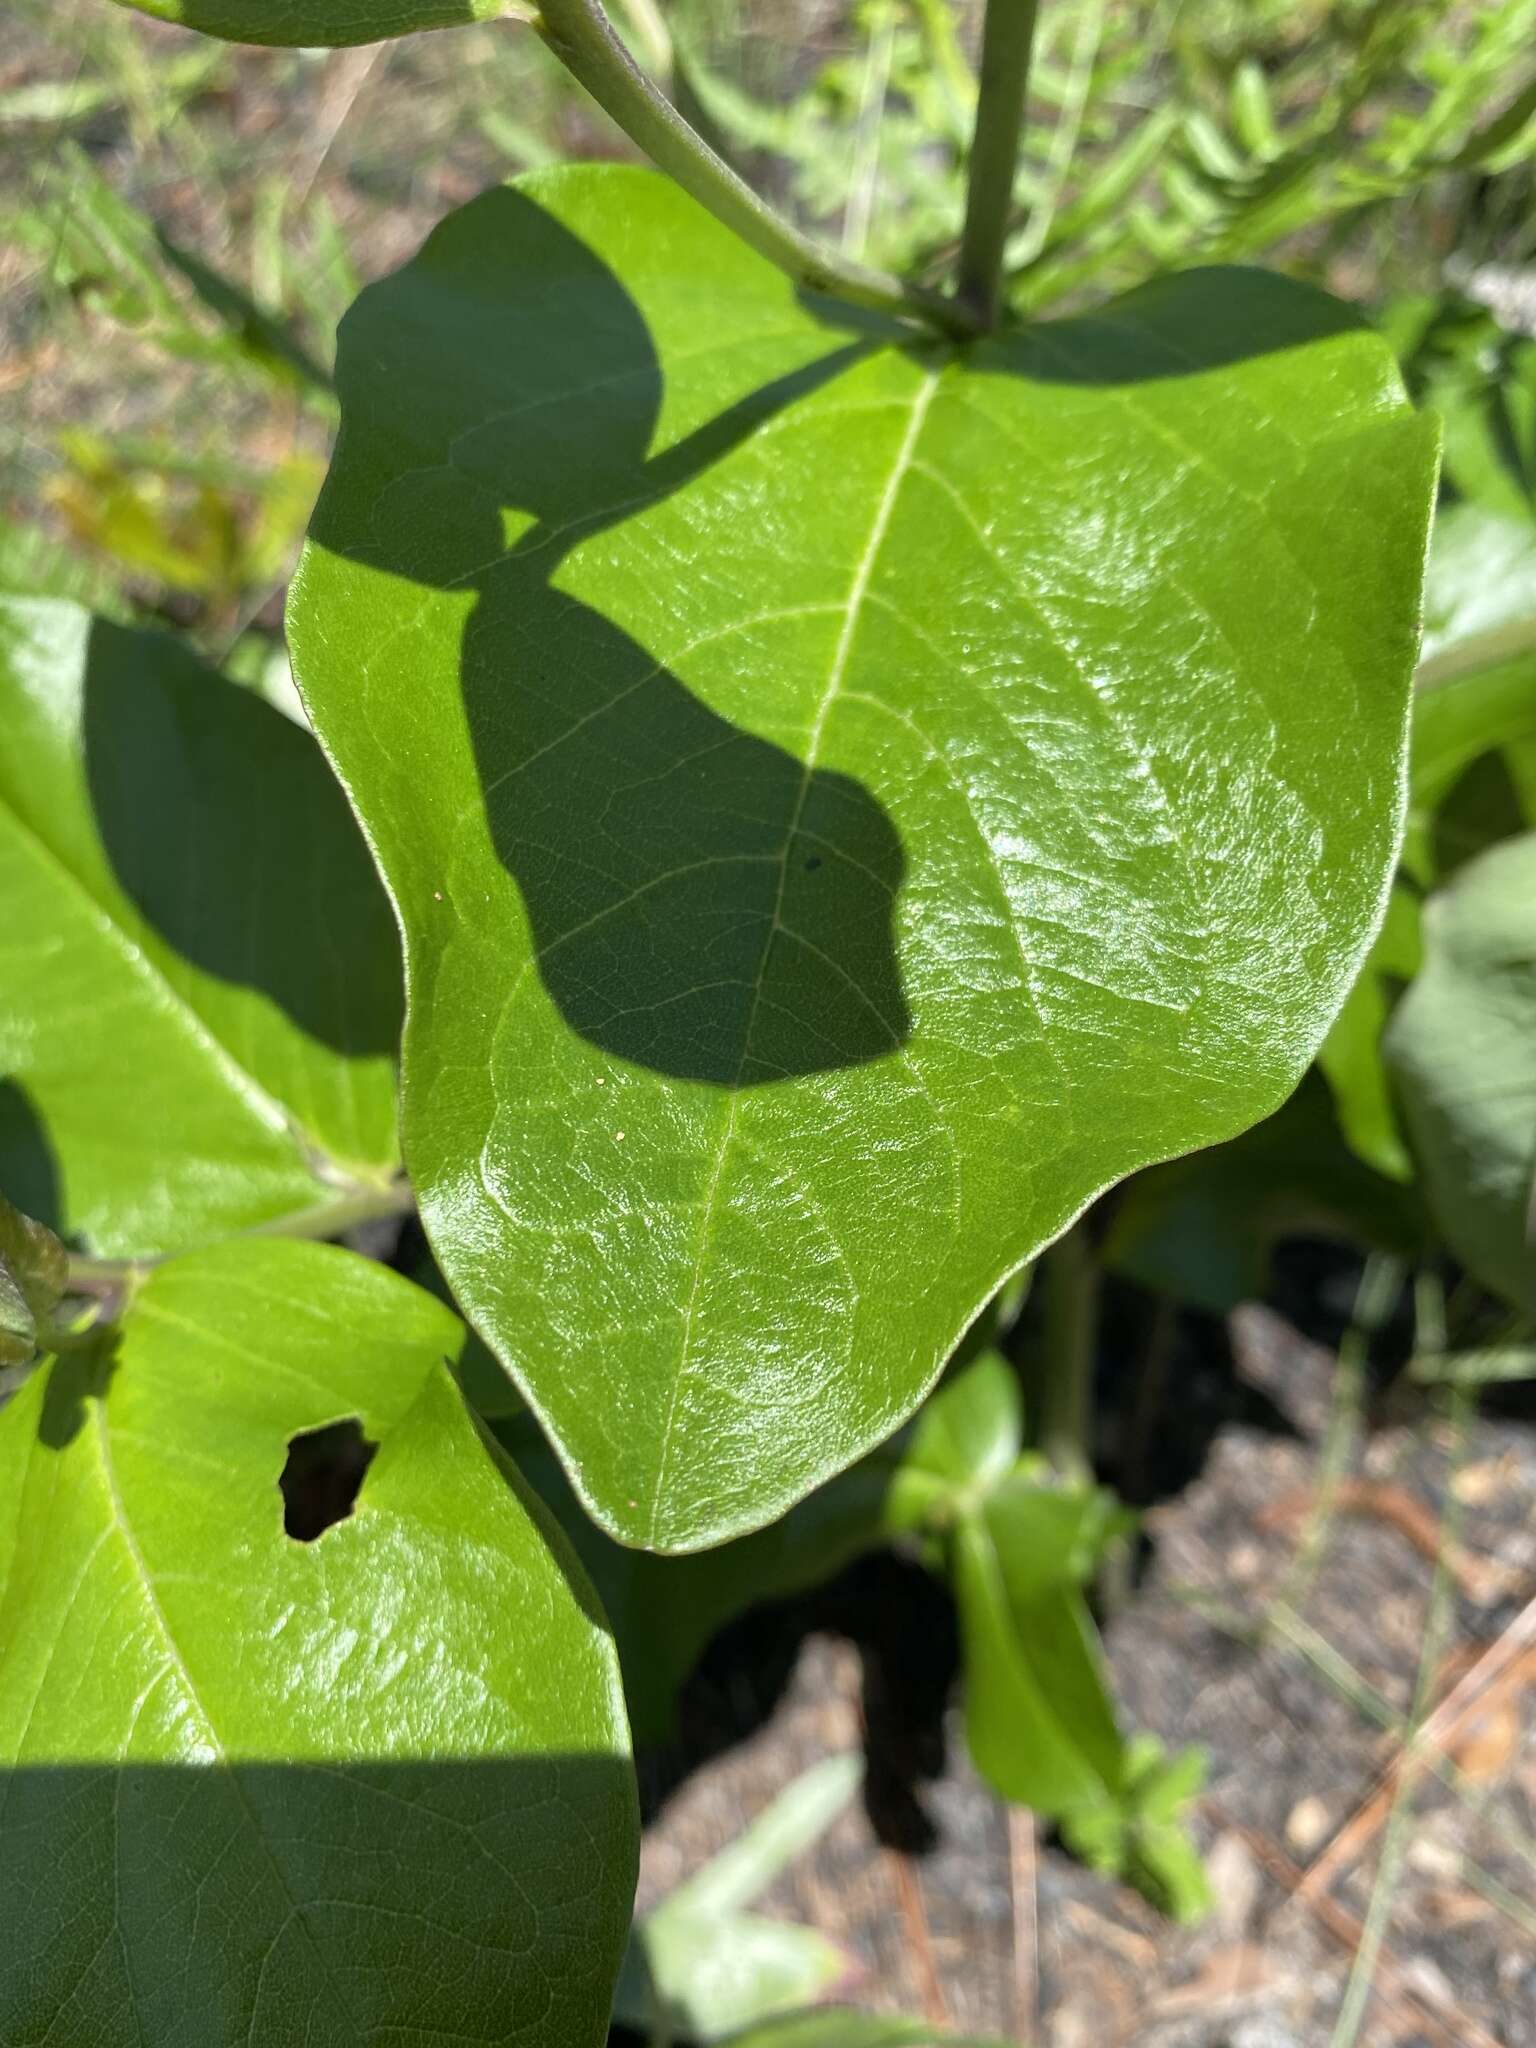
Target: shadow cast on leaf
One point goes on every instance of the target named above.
(701, 902)
(29, 1167)
(228, 833)
(346, 1899)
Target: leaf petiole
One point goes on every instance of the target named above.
(580, 35)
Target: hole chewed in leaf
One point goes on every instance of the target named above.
(320, 1481)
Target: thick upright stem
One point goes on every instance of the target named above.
(1061, 1387)
(580, 35)
(1006, 40)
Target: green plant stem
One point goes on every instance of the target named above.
(106, 1278)
(1060, 1389)
(580, 35)
(1006, 41)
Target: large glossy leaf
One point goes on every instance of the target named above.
(316, 23)
(847, 800)
(200, 996)
(1462, 1046)
(370, 1787)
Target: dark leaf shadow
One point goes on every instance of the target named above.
(340, 1900)
(29, 1167)
(74, 1378)
(227, 831)
(701, 902)
(1177, 326)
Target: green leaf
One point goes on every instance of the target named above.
(201, 996)
(704, 1978)
(848, 801)
(1038, 1714)
(843, 2027)
(1139, 1833)
(370, 1787)
(1481, 577)
(968, 1437)
(699, 1966)
(1462, 1047)
(1039, 1717)
(316, 24)
(1473, 776)
(33, 1271)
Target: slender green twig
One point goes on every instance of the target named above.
(580, 35)
(1006, 40)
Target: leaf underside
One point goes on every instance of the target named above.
(847, 800)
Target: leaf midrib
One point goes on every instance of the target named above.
(853, 606)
